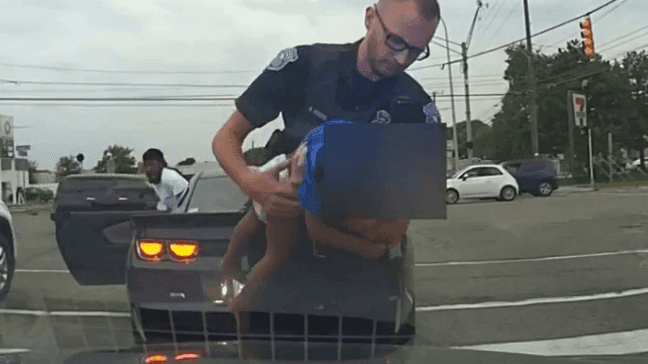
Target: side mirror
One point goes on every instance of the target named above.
(464, 178)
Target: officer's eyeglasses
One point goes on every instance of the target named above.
(396, 43)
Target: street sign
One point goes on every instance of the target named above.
(22, 150)
(580, 110)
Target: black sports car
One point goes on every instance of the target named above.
(172, 263)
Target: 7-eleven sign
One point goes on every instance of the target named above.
(580, 110)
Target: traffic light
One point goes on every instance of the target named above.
(588, 38)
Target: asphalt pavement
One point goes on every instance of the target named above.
(529, 274)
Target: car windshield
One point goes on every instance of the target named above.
(216, 194)
(145, 217)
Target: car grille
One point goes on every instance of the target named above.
(274, 333)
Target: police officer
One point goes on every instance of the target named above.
(309, 84)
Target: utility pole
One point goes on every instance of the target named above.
(454, 119)
(469, 146)
(464, 54)
(533, 109)
(570, 125)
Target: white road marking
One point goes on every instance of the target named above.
(526, 260)
(622, 194)
(617, 343)
(534, 301)
(42, 313)
(13, 351)
(42, 271)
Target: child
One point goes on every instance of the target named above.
(370, 238)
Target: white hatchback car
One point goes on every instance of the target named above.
(481, 181)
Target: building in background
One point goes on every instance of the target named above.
(44, 177)
(14, 172)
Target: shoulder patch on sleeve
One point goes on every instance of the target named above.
(431, 113)
(284, 57)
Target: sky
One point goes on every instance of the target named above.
(75, 49)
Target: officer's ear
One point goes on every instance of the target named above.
(369, 15)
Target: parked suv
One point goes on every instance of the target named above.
(92, 215)
(535, 176)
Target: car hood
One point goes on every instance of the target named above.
(230, 352)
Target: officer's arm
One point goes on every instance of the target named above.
(227, 146)
(268, 96)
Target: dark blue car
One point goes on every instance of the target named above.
(535, 176)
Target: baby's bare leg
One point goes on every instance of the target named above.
(245, 231)
(281, 236)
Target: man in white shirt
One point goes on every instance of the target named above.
(170, 186)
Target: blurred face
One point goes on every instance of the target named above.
(396, 36)
(153, 170)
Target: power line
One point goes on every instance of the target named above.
(519, 40)
(564, 40)
(103, 99)
(632, 50)
(627, 41)
(623, 36)
(574, 35)
(475, 95)
(18, 82)
(486, 84)
(116, 71)
(460, 78)
(515, 6)
(489, 99)
(611, 10)
(444, 47)
(494, 16)
(119, 105)
(449, 41)
(158, 99)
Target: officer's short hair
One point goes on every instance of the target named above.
(154, 154)
(428, 8)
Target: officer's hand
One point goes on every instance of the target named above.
(276, 197)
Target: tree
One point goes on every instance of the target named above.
(65, 167)
(635, 124)
(481, 135)
(557, 74)
(124, 161)
(187, 162)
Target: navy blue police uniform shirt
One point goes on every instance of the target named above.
(311, 84)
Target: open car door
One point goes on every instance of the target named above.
(93, 227)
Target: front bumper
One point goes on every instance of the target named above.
(329, 300)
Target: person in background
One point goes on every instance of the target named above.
(169, 184)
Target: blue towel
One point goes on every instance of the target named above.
(309, 198)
